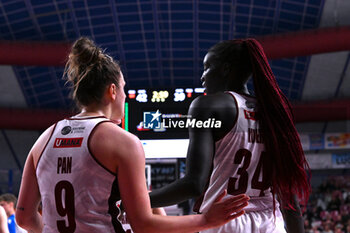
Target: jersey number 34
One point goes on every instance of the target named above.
(244, 156)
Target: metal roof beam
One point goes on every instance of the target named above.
(302, 43)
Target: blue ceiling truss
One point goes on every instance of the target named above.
(159, 43)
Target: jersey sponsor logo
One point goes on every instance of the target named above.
(78, 129)
(249, 115)
(67, 142)
(72, 130)
(66, 130)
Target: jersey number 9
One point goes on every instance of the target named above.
(68, 207)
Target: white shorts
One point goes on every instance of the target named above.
(253, 222)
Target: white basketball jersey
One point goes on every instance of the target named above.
(78, 193)
(240, 164)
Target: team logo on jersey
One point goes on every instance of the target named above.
(66, 130)
(249, 115)
(67, 142)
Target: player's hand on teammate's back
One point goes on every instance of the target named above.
(226, 210)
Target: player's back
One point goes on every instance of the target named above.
(78, 193)
(240, 164)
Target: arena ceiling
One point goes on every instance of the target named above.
(161, 43)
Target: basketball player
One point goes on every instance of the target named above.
(256, 150)
(81, 167)
(3, 221)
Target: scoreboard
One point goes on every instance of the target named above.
(168, 103)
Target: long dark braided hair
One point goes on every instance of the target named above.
(289, 176)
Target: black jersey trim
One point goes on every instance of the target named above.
(113, 209)
(42, 152)
(92, 155)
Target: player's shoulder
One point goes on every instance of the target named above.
(112, 145)
(112, 136)
(212, 100)
(110, 130)
(41, 142)
(212, 104)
